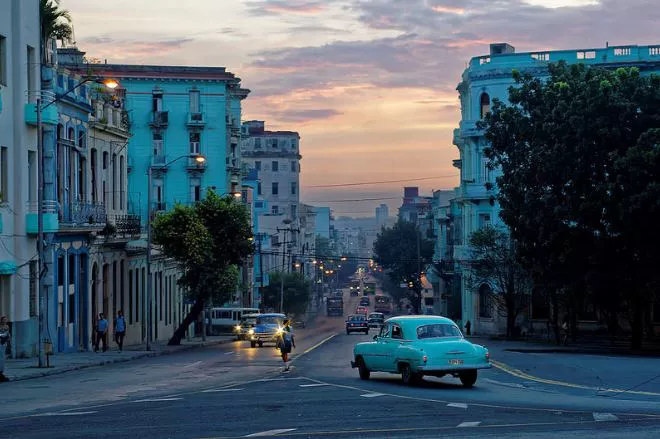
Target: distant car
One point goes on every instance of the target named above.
(415, 346)
(365, 301)
(362, 310)
(354, 293)
(266, 329)
(376, 319)
(248, 321)
(357, 323)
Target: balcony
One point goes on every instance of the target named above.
(159, 161)
(469, 129)
(196, 120)
(48, 115)
(127, 225)
(82, 215)
(51, 221)
(194, 165)
(159, 119)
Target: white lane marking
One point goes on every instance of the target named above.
(469, 424)
(312, 385)
(67, 413)
(458, 405)
(157, 400)
(229, 353)
(196, 363)
(604, 417)
(270, 432)
(372, 395)
(220, 390)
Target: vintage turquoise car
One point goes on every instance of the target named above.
(415, 346)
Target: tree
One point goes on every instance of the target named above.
(55, 22)
(210, 240)
(297, 290)
(576, 151)
(395, 249)
(495, 263)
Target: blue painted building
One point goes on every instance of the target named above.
(258, 207)
(322, 221)
(488, 77)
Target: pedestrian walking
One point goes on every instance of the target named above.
(287, 343)
(564, 331)
(101, 333)
(120, 329)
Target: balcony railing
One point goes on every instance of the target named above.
(85, 214)
(159, 119)
(127, 225)
(196, 119)
(195, 165)
(158, 160)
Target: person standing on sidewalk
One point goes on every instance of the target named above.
(4, 341)
(120, 329)
(287, 343)
(101, 333)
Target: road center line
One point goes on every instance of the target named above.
(156, 400)
(270, 432)
(372, 395)
(313, 385)
(67, 413)
(458, 405)
(221, 390)
(604, 417)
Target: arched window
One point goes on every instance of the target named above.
(485, 301)
(60, 131)
(484, 105)
(72, 134)
(81, 138)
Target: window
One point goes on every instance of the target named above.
(159, 280)
(105, 159)
(485, 301)
(3, 60)
(94, 171)
(294, 144)
(294, 187)
(484, 220)
(276, 188)
(72, 289)
(122, 179)
(485, 60)
(485, 170)
(275, 166)
(622, 51)
(257, 143)
(257, 165)
(259, 188)
(157, 102)
(158, 143)
(115, 296)
(194, 101)
(114, 181)
(294, 211)
(275, 210)
(195, 189)
(32, 176)
(194, 143)
(397, 332)
(31, 77)
(654, 51)
(293, 166)
(484, 108)
(541, 56)
(273, 143)
(4, 173)
(586, 55)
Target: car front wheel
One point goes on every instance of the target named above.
(468, 377)
(362, 368)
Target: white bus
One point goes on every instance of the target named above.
(223, 320)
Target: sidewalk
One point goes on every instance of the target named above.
(25, 369)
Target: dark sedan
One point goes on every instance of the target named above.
(357, 323)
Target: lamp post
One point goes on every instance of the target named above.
(41, 245)
(200, 159)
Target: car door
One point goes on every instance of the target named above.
(390, 348)
(375, 358)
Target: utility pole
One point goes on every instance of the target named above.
(284, 262)
(149, 281)
(418, 233)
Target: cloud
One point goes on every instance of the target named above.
(279, 7)
(302, 116)
(119, 50)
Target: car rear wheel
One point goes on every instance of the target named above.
(468, 377)
(253, 344)
(261, 344)
(409, 377)
(362, 368)
(348, 332)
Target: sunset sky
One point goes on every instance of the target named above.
(369, 84)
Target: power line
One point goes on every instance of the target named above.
(355, 200)
(383, 181)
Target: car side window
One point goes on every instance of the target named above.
(396, 332)
(384, 331)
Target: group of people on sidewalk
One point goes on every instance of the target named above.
(101, 332)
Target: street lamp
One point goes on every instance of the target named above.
(199, 159)
(41, 247)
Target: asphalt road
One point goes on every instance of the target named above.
(236, 391)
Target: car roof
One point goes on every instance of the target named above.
(252, 315)
(376, 314)
(419, 320)
(272, 314)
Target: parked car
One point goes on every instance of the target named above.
(364, 301)
(415, 346)
(362, 310)
(376, 319)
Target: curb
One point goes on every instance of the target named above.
(141, 354)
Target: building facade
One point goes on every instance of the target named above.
(19, 89)
(475, 206)
(382, 214)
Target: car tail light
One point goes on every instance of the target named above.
(487, 356)
(425, 358)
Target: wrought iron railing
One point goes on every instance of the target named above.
(86, 213)
(127, 225)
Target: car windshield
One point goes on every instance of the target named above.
(375, 317)
(249, 321)
(355, 318)
(438, 330)
(269, 320)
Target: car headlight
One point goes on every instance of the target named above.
(237, 328)
(251, 331)
(280, 330)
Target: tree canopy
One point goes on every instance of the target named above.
(395, 249)
(209, 239)
(297, 291)
(578, 152)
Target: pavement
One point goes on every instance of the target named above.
(231, 390)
